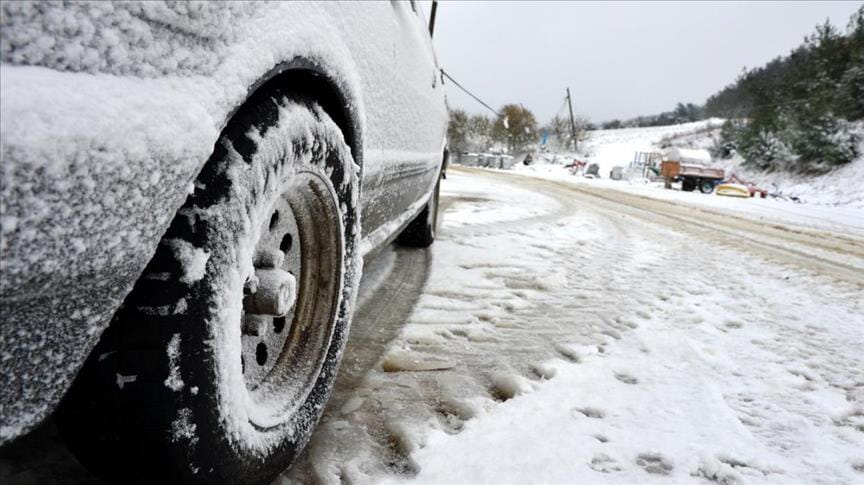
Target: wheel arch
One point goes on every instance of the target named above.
(305, 77)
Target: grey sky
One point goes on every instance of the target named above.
(619, 59)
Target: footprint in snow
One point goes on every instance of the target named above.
(654, 463)
(626, 378)
(604, 463)
(569, 353)
(587, 412)
(643, 314)
(507, 386)
(450, 419)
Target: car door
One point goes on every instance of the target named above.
(406, 122)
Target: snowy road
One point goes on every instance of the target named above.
(574, 334)
(561, 333)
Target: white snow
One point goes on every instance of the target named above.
(174, 380)
(192, 259)
(182, 428)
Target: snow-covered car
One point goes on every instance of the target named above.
(206, 178)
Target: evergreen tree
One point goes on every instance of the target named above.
(802, 112)
(458, 130)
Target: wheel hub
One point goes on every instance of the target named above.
(270, 294)
(290, 301)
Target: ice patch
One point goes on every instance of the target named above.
(399, 361)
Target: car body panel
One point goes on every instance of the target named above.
(109, 112)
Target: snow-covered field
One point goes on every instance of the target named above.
(566, 338)
(609, 148)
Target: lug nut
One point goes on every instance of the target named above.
(277, 290)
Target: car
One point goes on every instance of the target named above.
(188, 191)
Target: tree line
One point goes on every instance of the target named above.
(683, 113)
(513, 130)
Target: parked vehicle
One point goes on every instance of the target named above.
(206, 178)
(691, 176)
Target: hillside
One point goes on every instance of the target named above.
(610, 148)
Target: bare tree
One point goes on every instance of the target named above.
(516, 126)
(560, 134)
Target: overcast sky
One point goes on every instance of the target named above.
(619, 59)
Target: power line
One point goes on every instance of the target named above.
(469, 93)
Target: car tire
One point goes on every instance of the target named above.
(706, 186)
(420, 232)
(170, 394)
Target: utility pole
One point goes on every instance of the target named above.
(572, 123)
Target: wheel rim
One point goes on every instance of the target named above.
(283, 349)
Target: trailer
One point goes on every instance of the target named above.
(691, 176)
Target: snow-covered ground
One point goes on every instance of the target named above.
(567, 338)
